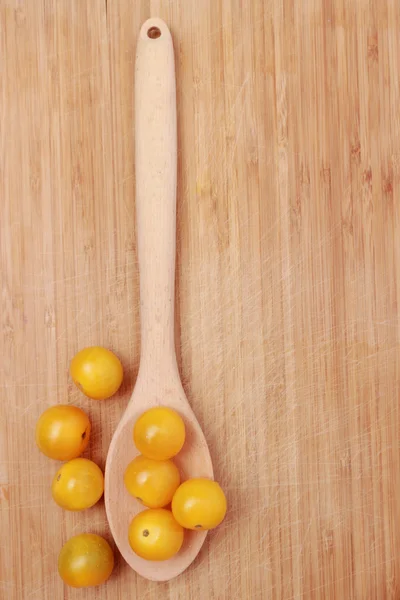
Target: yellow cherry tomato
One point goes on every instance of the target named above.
(97, 372)
(78, 484)
(85, 560)
(155, 535)
(199, 504)
(159, 433)
(63, 432)
(152, 482)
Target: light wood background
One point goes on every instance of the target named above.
(287, 280)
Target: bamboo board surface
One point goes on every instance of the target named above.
(288, 282)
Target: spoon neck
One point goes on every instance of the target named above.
(157, 353)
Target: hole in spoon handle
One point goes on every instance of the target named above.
(153, 33)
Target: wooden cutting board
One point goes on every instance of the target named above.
(287, 278)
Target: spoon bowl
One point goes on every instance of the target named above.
(192, 461)
(158, 382)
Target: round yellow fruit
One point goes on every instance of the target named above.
(97, 372)
(159, 433)
(155, 535)
(152, 482)
(63, 432)
(78, 484)
(85, 560)
(199, 504)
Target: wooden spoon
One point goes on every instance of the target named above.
(158, 381)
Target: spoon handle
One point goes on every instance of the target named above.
(156, 166)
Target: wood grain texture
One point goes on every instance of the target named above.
(288, 280)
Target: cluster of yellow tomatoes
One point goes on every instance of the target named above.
(63, 433)
(152, 478)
